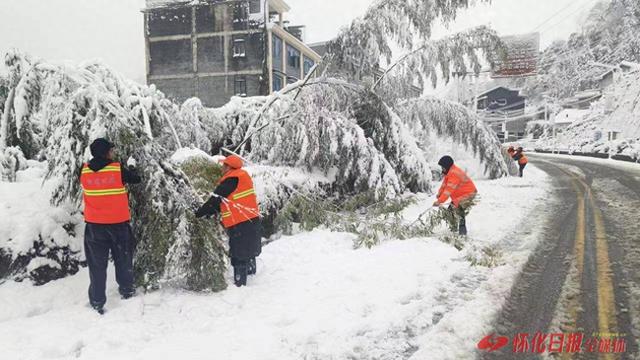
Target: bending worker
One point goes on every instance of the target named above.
(235, 199)
(458, 186)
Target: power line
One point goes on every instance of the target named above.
(571, 3)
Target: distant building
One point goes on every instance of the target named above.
(216, 49)
(503, 110)
(501, 101)
(583, 99)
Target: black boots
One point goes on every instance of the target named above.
(251, 267)
(127, 295)
(242, 268)
(462, 227)
(240, 275)
(98, 308)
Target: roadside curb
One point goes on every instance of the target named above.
(624, 158)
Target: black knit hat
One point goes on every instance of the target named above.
(100, 147)
(446, 162)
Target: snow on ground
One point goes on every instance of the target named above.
(502, 220)
(314, 297)
(26, 200)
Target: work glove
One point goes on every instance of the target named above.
(202, 212)
(131, 163)
(206, 210)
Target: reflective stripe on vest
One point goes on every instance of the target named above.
(242, 204)
(104, 194)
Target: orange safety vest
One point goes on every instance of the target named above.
(105, 197)
(523, 159)
(456, 185)
(242, 204)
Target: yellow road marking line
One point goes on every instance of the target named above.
(606, 298)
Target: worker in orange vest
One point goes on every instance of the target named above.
(236, 201)
(458, 186)
(522, 160)
(107, 216)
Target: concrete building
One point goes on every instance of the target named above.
(501, 101)
(503, 110)
(216, 49)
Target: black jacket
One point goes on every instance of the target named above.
(212, 206)
(129, 175)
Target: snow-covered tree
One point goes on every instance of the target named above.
(451, 120)
(386, 24)
(80, 104)
(423, 66)
(607, 37)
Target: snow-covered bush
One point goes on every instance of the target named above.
(38, 241)
(11, 160)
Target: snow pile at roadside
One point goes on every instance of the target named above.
(27, 218)
(501, 222)
(314, 297)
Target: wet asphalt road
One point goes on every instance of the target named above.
(584, 277)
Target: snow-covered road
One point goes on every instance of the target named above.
(314, 298)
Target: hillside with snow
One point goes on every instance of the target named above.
(610, 126)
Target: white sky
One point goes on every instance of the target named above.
(112, 30)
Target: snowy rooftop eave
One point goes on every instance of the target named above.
(161, 4)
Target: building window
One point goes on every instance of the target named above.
(240, 88)
(254, 6)
(239, 47)
(278, 83)
(293, 58)
(276, 44)
(308, 64)
(240, 16)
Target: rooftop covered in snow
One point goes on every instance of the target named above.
(279, 6)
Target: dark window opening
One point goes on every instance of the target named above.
(276, 44)
(240, 16)
(278, 82)
(205, 19)
(169, 22)
(254, 6)
(240, 88)
(308, 65)
(239, 47)
(293, 57)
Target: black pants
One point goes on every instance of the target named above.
(522, 166)
(99, 240)
(245, 246)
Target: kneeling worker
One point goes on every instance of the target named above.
(458, 186)
(107, 216)
(235, 199)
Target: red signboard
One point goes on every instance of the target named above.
(519, 58)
